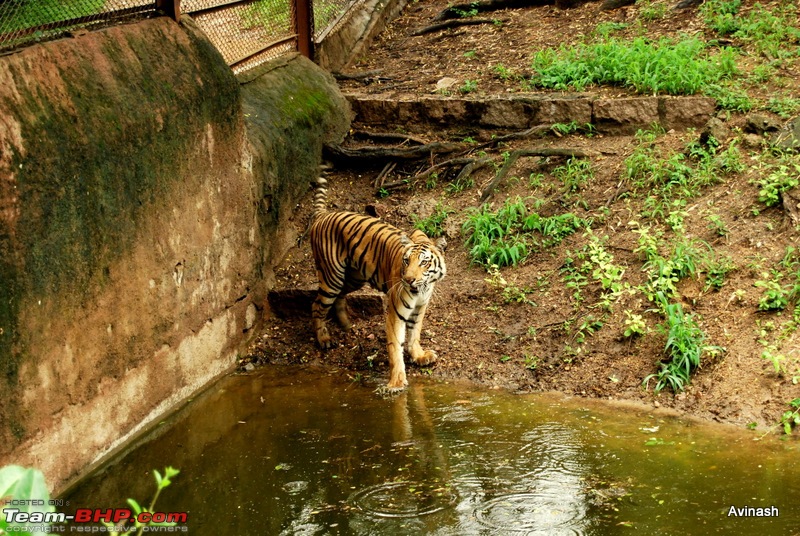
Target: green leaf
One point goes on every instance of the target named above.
(25, 484)
(135, 505)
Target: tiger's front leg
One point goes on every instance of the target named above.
(395, 336)
(421, 357)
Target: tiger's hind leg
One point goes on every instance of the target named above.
(418, 355)
(328, 295)
(340, 306)
(319, 312)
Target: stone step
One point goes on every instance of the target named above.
(612, 116)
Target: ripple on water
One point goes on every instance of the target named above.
(530, 513)
(403, 499)
(295, 487)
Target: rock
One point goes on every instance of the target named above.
(791, 204)
(788, 138)
(760, 123)
(685, 112)
(717, 129)
(625, 116)
(445, 83)
(752, 141)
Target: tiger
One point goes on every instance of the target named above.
(351, 250)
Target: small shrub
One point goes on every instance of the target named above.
(634, 325)
(685, 347)
(468, 87)
(783, 177)
(432, 225)
(574, 174)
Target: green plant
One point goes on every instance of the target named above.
(459, 185)
(26, 486)
(605, 29)
(505, 237)
(650, 11)
(776, 296)
(574, 174)
(468, 86)
(785, 107)
(530, 361)
(161, 483)
(634, 325)
(593, 264)
(720, 15)
(510, 292)
(717, 268)
(554, 228)
(503, 73)
(588, 326)
(432, 225)
(566, 128)
(466, 13)
(783, 177)
(685, 346)
(717, 225)
(665, 66)
(791, 417)
(730, 97)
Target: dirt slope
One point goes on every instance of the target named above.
(548, 323)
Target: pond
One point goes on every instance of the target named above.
(308, 451)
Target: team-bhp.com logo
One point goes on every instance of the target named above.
(21, 521)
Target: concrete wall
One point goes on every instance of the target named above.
(342, 44)
(144, 197)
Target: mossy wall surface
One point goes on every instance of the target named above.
(144, 197)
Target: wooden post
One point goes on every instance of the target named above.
(170, 8)
(303, 23)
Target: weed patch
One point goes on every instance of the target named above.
(682, 67)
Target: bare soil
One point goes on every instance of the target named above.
(535, 346)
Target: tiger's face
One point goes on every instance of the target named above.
(423, 265)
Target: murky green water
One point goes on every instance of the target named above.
(293, 451)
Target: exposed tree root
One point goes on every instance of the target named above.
(387, 136)
(372, 155)
(518, 153)
(453, 23)
(460, 11)
(538, 130)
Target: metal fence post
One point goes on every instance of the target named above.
(171, 8)
(303, 23)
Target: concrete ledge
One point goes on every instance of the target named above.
(609, 116)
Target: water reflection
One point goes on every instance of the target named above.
(299, 451)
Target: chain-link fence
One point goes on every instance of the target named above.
(246, 32)
(24, 22)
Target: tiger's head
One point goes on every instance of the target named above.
(423, 263)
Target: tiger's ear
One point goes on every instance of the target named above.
(441, 243)
(404, 239)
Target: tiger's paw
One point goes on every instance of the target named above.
(385, 390)
(324, 338)
(427, 358)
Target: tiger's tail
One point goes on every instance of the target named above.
(320, 197)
